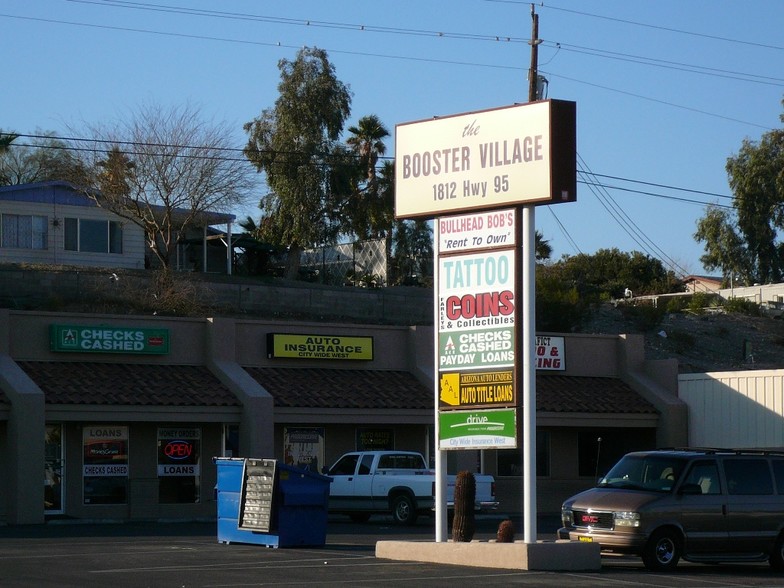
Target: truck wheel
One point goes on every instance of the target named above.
(662, 552)
(403, 510)
(360, 517)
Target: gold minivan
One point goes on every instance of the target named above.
(702, 505)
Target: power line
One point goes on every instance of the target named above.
(301, 22)
(564, 231)
(658, 27)
(666, 64)
(138, 145)
(606, 186)
(651, 61)
(263, 44)
(666, 103)
(629, 226)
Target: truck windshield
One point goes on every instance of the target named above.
(644, 472)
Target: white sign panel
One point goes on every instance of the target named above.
(493, 229)
(550, 353)
(485, 160)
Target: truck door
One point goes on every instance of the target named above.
(341, 491)
(363, 485)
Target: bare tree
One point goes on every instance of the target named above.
(35, 158)
(165, 170)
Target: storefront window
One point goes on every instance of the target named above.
(375, 439)
(179, 461)
(231, 441)
(599, 449)
(303, 447)
(105, 472)
(53, 469)
(510, 461)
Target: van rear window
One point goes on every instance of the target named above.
(748, 476)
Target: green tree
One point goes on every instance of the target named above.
(724, 249)
(6, 139)
(412, 251)
(756, 177)
(607, 273)
(543, 250)
(116, 173)
(293, 144)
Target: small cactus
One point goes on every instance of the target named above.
(463, 525)
(506, 532)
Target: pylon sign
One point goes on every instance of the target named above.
(476, 330)
(519, 154)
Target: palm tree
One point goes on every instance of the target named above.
(367, 141)
(6, 139)
(367, 203)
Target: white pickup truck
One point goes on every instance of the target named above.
(396, 482)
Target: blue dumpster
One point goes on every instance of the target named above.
(266, 502)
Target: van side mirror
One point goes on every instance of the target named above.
(690, 489)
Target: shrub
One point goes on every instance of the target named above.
(742, 306)
(645, 316)
(506, 532)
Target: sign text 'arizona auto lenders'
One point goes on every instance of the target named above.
(476, 324)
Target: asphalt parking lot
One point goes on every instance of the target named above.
(188, 555)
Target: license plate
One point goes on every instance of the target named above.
(586, 539)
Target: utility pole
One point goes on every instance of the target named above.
(533, 71)
(526, 328)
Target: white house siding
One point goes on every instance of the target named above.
(133, 244)
(735, 409)
(758, 294)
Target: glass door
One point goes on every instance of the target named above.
(54, 468)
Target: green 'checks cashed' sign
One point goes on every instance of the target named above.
(104, 339)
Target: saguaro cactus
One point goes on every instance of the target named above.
(463, 525)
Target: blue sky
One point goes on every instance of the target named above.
(665, 90)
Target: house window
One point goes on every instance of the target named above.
(24, 231)
(97, 236)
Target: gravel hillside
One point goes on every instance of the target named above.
(707, 342)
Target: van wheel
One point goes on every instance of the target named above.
(662, 552)
(776, 559)
(403, 510)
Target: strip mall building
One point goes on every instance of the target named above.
(114, 417)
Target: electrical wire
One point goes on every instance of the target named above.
(136, 146)
(628, 225)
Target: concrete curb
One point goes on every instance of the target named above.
(543, 555)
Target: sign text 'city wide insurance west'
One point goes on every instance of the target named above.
(521, 154)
